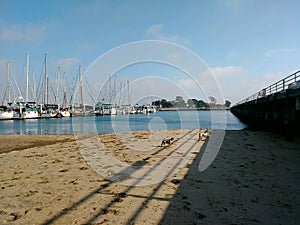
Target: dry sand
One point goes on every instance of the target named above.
(45, 179)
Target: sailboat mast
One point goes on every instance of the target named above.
(34, 86)
(45, 100)
(65, 92)
(128, 92)
(8, 81)
(115, 91)
(72, 97)
(57, 85)
(26, 73)
(80, 87)
(47, 90)
(109, 89)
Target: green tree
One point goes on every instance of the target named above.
(227, 103)
(157, 103)
(201, 104)
(166, 104)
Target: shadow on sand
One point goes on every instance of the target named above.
(248, 183)
(117, 198)
(253, 180)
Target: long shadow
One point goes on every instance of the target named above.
(136, 196)
(159, 185)
(246, 184)
(148, 198)
(133, 167)
(136, 165)
(180, 210)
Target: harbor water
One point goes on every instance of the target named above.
(215, 119)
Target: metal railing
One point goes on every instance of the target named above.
(289, 82)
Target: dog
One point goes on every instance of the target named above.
(203, 134)
(166, 141)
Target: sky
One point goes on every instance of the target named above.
(228, 49)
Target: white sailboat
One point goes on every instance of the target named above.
(113, 110)
(80, 108)
(6, 112)
(31, 111)
(65, 112)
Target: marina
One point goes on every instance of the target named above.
(56, 98)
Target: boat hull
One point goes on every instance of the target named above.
(31, 115)
(6, 115)
(65, 113)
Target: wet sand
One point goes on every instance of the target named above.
(52, 179)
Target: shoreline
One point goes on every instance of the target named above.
(192, 109)
(254, 179)
(23, 141)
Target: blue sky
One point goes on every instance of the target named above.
(245, 44)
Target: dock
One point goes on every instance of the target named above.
(276, 107)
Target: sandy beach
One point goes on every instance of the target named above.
(58, 179)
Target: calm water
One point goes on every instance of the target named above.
(123, 123)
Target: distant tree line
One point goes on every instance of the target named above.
(191, 103)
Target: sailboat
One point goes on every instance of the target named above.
(102, 108)
(78, 102)
(51, 110)
(6, 111)
(64, 112)
(48, 110)
(30, 111)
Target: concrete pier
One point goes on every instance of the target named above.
(275, 108)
